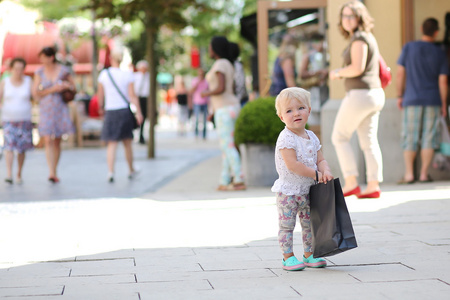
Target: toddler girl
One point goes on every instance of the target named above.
(298, 160)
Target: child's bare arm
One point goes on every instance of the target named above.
(290, 159)
(323, 167)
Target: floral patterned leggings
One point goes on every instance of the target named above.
(225, 118)
(289, 206)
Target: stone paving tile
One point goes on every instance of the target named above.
(47, 290)
(310, 275)
(174, 265)
(367, 234)
(262, 243)
(403, 247)
(436, 242)
(42, 270)
(362, 255)
(101, 292)
(169, 275)
(411, 290)
(166, 252)
(220, 256)
(240, 265)
(154, 260)
(105, 279)
(382, 272)
(431, 266)
(52, 297)
(103, 267)
(226, 294)
(174, 285)
(244, 283)
(125, 253)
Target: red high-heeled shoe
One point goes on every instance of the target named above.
(355, 191)
(375, 194)
(53, 179)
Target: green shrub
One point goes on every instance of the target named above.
(258, 123)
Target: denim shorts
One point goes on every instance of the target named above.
(420, 127)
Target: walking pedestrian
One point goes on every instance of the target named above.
(240, 89)
(15, 95)
(115, 93)
(199, 84)
(142, 90)
(226, 107)
(284, 73)
(422, 74)
(54, 118)
(299, 161)
(363, 101)
(182, 100)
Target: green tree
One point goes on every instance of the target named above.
(58, 9)
(153, 15)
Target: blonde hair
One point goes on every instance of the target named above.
(142, 64)
(117, 55)
(296, 93)
(365, 20)
(288, 47)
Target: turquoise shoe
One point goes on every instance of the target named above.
(293, 264)
(314, 262)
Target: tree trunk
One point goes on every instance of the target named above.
(94, 52)
(151, 100)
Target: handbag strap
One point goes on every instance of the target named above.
(117, 88)
(317, 177)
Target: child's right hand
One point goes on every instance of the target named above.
(320, 175)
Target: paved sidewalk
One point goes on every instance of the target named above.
(170, 235)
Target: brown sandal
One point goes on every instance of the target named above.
(239, 186)
(223, 187)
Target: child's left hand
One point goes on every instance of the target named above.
(327, 176)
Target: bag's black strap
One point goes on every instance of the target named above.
(317, 177)
(117, 88)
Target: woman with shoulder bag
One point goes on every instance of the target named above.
(364, 99)
(54, 118)
(116, 91)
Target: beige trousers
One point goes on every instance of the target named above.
(359, 111)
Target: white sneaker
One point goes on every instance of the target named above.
(133, 174)
(110, 177)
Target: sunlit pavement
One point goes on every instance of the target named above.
(184, 240)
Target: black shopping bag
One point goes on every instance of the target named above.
(332, 230)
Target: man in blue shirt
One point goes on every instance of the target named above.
(422, 71)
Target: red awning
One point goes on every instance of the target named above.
(28, 47)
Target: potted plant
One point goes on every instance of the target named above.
(256, 132)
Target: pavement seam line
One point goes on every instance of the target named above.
(296, 291)
(273, 272)
(443, 281)
(201, 267)
(407, 266)
(210, 284)
(355, 277)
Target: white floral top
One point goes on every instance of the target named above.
(288, 182)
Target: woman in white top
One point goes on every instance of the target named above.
(15, 93)
(116, 91)
(226, 108)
